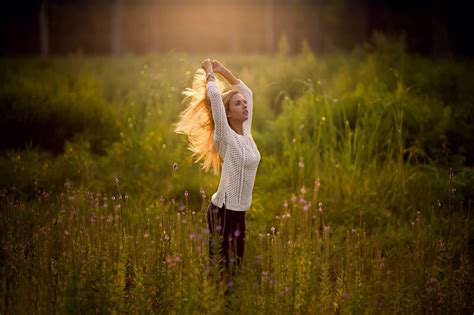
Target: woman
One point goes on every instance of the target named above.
(219, 131)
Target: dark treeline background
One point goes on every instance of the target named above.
(56, 27)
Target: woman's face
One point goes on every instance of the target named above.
(238, 108)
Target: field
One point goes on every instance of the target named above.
(361, 203)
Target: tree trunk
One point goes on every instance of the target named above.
(116, 35)
(269, 26)
(44, 29)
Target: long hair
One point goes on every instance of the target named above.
(197, 123)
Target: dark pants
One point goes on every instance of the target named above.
(227, 226)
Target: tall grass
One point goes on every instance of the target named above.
(82, 252)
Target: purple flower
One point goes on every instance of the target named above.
(303, 190)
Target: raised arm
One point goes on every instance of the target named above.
(238, 85)
(221, 126)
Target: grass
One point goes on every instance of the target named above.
(361, 204)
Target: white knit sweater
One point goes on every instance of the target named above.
(239, 152)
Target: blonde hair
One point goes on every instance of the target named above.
(197, 123)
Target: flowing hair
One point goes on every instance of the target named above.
(197, 123)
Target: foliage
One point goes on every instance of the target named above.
(359, 203)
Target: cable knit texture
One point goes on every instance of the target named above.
(239, 152)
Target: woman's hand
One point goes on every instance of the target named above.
(217, 66)
(207, 65)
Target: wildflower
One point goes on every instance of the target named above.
(285, 204)
(116, 180)
(146, 235)
(273, 229)
(237, 233)
(175, 166)
(66, 232)
(191, 236)
(218, 227)
(306, 208)
(451, 174)
(301, 162)
(67, 184)
(110, 218)
(113, 197)
(317, 183)
(293, 198)
(126, 196)
(198, 249)
(170, 261)
(345, 295)
(92, 218)
(186, 194)
(303, 190)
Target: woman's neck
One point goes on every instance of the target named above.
(238, 127)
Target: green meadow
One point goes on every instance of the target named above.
(361, 205)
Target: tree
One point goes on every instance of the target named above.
(116, 34)
(44, 29)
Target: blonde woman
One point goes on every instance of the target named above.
(218, 126)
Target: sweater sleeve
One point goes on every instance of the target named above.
(221, 126)
(247, 93)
